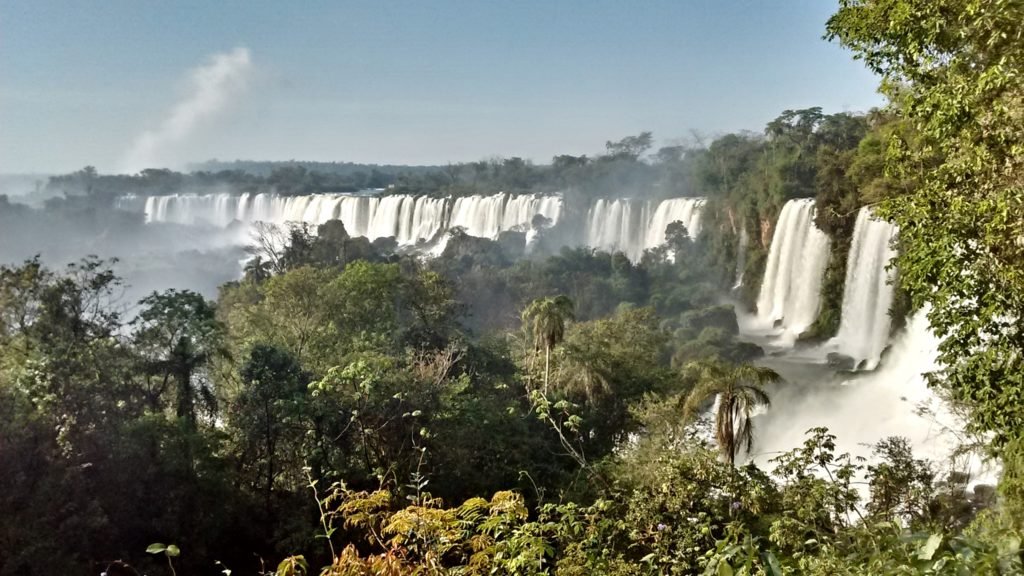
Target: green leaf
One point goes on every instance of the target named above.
(156, 548)
(928, 550)
(1009, 546)
(724, 569)
(173, 551)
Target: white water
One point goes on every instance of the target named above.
(868, 292)
(406, 218)
(631, 227)
(487, 216)
(895, 400)
(612, 225)
(741, 257)
(790, 292)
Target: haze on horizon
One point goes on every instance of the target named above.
(124, 85)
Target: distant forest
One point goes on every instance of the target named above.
(627, 168)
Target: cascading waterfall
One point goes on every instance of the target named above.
(487, 216)
(790, 292)
(633, 226)
(868, 292)
(612, 225)
(741, 257)
(685, 210)
(406, 218)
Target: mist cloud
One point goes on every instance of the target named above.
(213, 86)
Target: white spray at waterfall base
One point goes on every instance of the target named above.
(212, 86)
(860, 411)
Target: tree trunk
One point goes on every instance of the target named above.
(547, 366)
(268, 437)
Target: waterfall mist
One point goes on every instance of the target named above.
(861, 410)
(211, 88)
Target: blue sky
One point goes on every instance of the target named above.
(408, 82)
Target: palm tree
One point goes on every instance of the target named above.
(257, 269)
(739, 390)
(546, 319)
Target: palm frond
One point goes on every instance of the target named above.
(755, 395)
(739, 391)
(704, 392)
(756, 374)
(745, 432)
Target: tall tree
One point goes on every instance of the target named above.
(268, 414)
(177, 332)
(739, 390)
(546, 318)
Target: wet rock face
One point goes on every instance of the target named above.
(841, 361)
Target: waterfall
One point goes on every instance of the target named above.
(487, 216)
(613, 225)
(685, 210)
(790, 292)
(631, 227)
(741, 257)
(868, 292)
(407, 218)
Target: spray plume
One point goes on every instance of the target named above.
(212, 86)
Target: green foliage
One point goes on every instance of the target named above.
(681, 512)
(546, 319)
(737, 391)
(949, 68)
(168, 550)
(399, 419)
(176, 333)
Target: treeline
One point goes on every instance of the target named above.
(265, 168)
(626, 169)
(288, 180)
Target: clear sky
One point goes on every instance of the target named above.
(406, 82)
